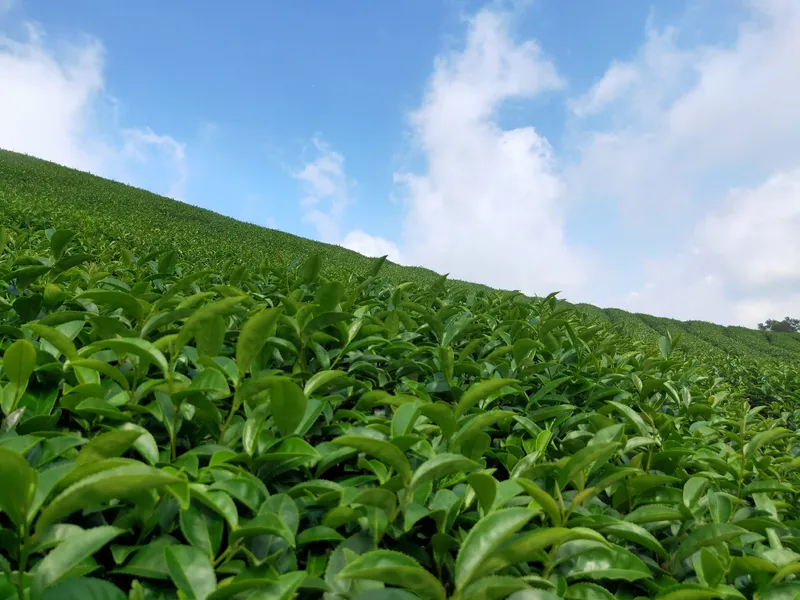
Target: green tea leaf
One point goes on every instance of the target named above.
(585, 458)
(61, 342)
(311, 267)
(266, 523)
(120, 482)
(394, 568)
(485, 487)
(705, 535)
(524, 547)
(254, 335)
(194, 527)
(287, 404)
(542, 498)
(19, 361)
(191, 571)
(107, 445)
(145, 444)
(322, 379)
(688, 591)
(141, 348)
(329, 295)
(84, 588)
(484, 538)
(611, 562)
(18, 486)
(441, 466)
(636, 534)
(765, 438)
(69, 553)
(380, 449)
(115, 299)
(481, 391)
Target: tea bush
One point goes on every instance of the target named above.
(47, 195)
(174, 427)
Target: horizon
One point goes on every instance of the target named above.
(643, 159)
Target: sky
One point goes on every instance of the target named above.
(630, 154)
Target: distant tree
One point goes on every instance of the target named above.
(788, 325)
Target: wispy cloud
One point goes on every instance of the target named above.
(616, 81)
(326, 190)
(707, 156)
(54, 105)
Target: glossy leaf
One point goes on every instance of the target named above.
(380, 449)
(18, 485)
(84, 588)
(705, 535)
(395, 569)
(254, 334)
(19, 361)
(69, 553)
(484, 538)
(441, 466)
(191, 571)
(108, 445)
(608, 563)
(119, 482)
(480, 391)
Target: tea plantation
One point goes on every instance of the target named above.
(194, 407)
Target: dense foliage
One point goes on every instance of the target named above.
(48, 195)
(252, 430)
(785, 325)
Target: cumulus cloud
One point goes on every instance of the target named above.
(54, 106)
(744, 262)
(693, 112)
(489, 206)
(704, 146)
(754, 237)
(370, 245)
(326, 193)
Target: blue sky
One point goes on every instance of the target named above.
(635, 154)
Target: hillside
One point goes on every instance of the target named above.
(29, 186)
(699, 337)
(192, 407)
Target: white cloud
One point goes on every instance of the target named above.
(692, 124)
(6, 6)
(370, 245)
(618, 79)
(754, 236)
(753, 311)
(489, 207)
(326, 197)
(691, 111)
(54, 106)
(158, 152)
(743, 265)
(326, 191)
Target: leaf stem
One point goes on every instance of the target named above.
(235, 406)
(23, 560)
(229, 553)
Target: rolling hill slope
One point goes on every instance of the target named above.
(700, 337)
(35, 189)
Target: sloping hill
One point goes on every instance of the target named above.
(700, 337)
(35, 189)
